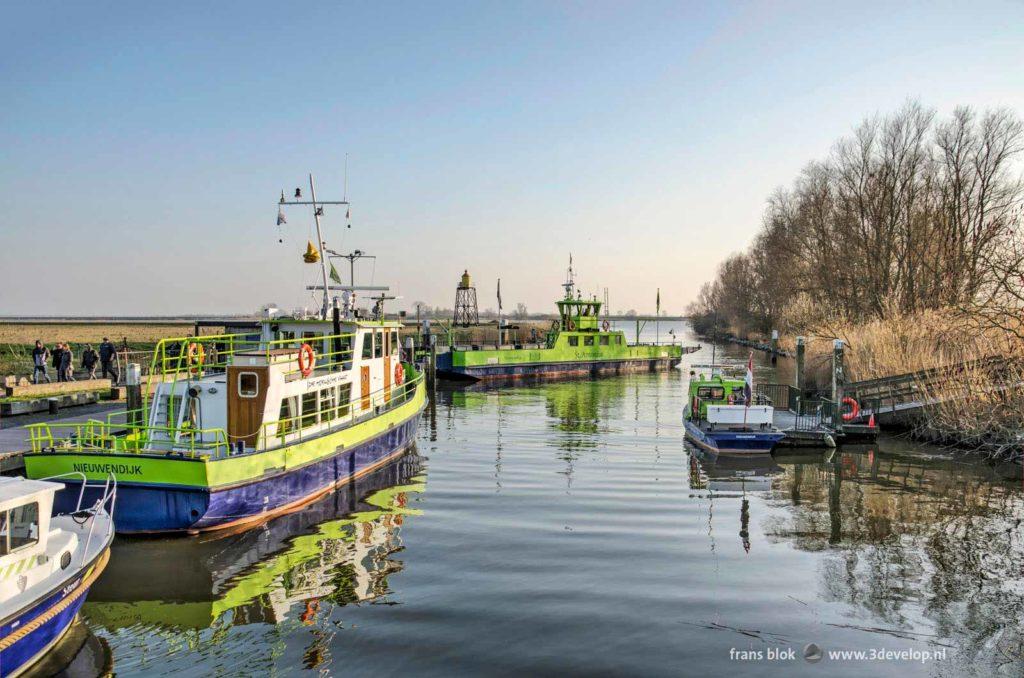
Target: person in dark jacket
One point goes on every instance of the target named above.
(39, 356)
(67, 363)
(58, 352)
(89, 360)
(107, 355)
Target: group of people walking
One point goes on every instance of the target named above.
(62, 359)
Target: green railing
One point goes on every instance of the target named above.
(127, 437)
(98, 436)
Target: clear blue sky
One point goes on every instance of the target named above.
(143, 145)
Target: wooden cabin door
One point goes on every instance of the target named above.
(364, 374)
(387, 378)
(247, 396)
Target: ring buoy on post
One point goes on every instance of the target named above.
(307, 360)
(606, 326)
(399, 374)
(854, 409)
(195, 356)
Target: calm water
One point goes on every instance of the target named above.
(567, 529)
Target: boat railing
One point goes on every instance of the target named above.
(105, 504)
(194, 357)
(100, 436)
(305, 426)
(134, 438)
(81, 490)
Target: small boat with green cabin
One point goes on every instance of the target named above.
(724, 416)
(580, 343)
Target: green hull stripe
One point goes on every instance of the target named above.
(214, 474)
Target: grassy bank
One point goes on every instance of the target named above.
(18, 339)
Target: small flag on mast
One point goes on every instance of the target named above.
(280, 217)
(334, 274)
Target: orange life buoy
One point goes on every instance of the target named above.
(732, 399)
(854, 409)
(307, 359)
(195, 356)
(399, 374)
(312, 607)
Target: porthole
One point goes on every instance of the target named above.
(65, 560)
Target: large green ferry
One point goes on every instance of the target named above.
(579, 343)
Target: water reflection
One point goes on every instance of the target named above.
(334, 552)
(79, 654)
(912, 541)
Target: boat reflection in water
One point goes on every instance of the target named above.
(79, 654)
(732, 474)
(334, 552)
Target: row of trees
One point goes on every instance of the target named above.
(908, 213)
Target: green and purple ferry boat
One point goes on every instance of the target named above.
(580, 343)
(236, 428)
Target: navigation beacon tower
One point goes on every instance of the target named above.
(466, 313)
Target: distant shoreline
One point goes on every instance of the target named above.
(185, 319)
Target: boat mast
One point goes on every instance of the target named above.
(318, 210)
(320, 239)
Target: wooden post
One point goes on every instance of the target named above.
(838, 376)
(133, 393)
(775, 346)
(801, 350)
(432, 366)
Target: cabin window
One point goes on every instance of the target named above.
(309, 409)
(344, 400)
(346, 352)
(604, 340)
(574, 340)
(21, 528)
(367, 345)
(378, 345)
(328, 407)
(712, 392)
(618, 339)
(248, 384)
(287, 335)
(588, 340)
(394, 343)
(286, 417)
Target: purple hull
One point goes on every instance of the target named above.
(143, 508)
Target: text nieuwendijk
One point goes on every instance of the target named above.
(119, 469)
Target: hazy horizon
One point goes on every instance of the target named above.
(146, 146)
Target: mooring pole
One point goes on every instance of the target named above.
(432, 366)
(133, 394)
(801, 350)
(775, 346)
(837, 373)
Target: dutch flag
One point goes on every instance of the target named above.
(748, 382)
